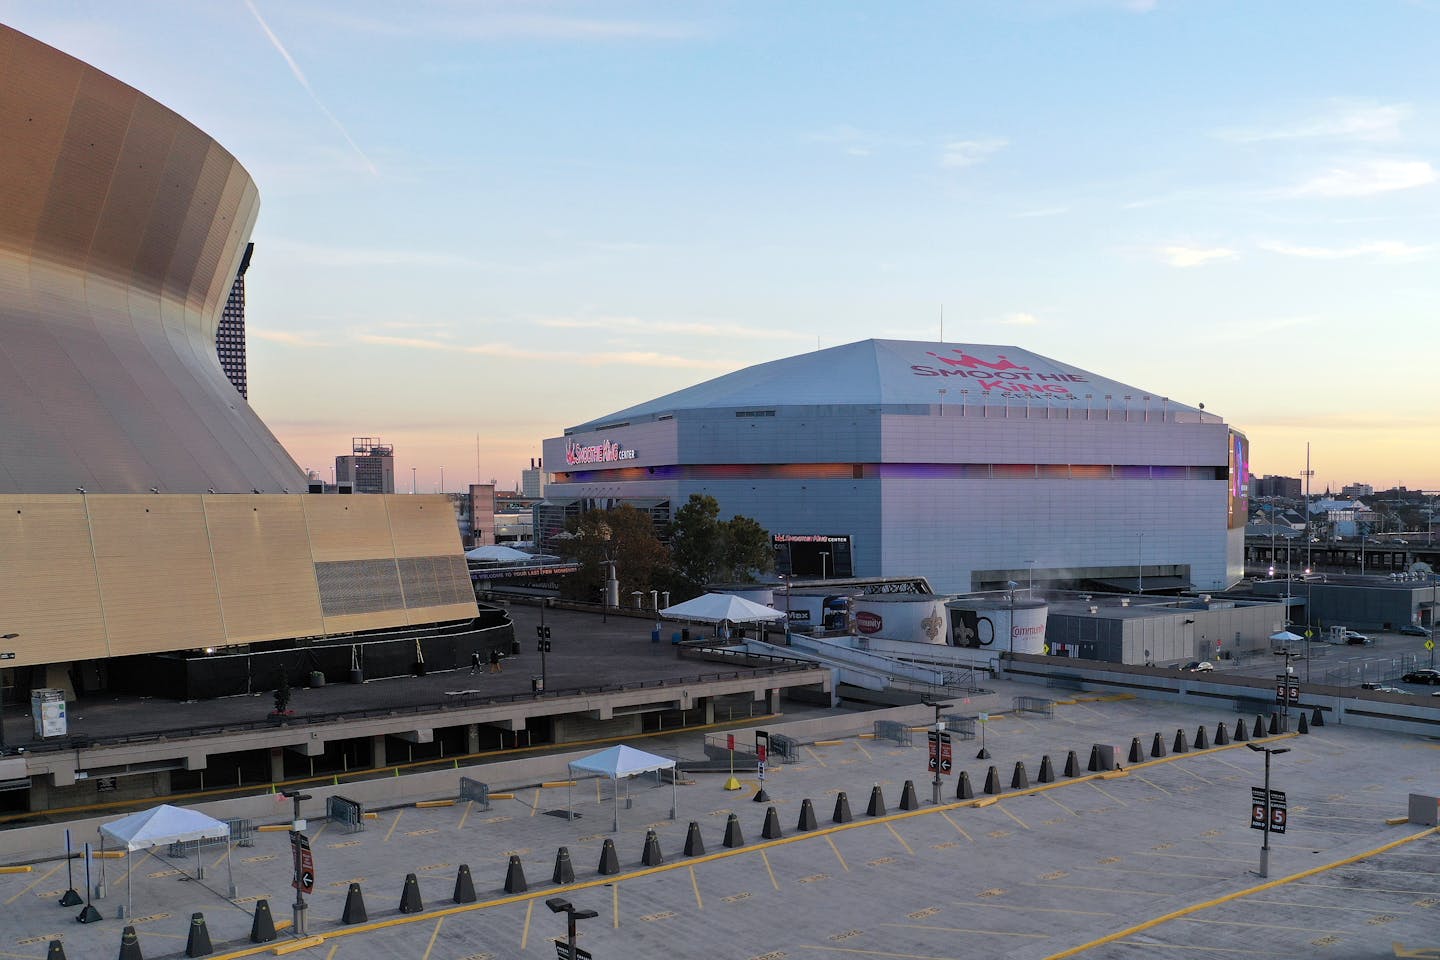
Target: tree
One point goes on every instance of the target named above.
(748, 550)
(697, 542)
(626, 536)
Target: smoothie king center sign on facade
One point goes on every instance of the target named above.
(1002, 373)
(603, 452)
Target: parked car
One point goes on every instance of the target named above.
(1383, 688)
(1357, 639)
(1199, 666)
(1422, 676)
(1412, 630)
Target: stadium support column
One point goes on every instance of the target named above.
(377, 750)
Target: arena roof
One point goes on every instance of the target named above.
(894, 372)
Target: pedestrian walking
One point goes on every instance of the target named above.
(474, 662)
(494, 661)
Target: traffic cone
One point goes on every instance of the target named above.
(410, 896)
(1094, 765)
(1047, 772)
(515, 876)
(842, 809)
(1157, 746)
(694, 843)
(1304, 726)
(464, 885)
(1072, 764)
(733, 836)
(1274, 724)
(807, 817)
(1258, 730)
(1181, 744)
(908, 800)
(56, 951)
(1202, 738)
(1318, 720)
(1020, 780)
(262, 927)
(1240, 735)
(1135, 756)
(1222, 734)
(963, 790)
(130, 945)
(761, 796)
(771, 829)
(564, 871)
(609, 859)
(992, 781)
(354, 908)
(650, 856)
(877, 803)
(198, 943)
(734, 784)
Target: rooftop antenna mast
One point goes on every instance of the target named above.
(942, 323)
(1308, 537)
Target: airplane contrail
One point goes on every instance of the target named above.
(300, 76)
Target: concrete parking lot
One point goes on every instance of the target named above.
(1156, 859)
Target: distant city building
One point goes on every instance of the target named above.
(1356, 490)
(1271, 486)
(370, 467)
(532, 481)
(230, 335)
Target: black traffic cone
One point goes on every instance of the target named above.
(410, 897)
(1019, 780)
(1135, 753)
(650, 856)
(354, 908)
(198, 943)
(262, 927)
(733, 836)
(1240, 735)
(1222, 734)
(1094, 765)
(464, 885)
(1274, 724)
(694, 843)
(1258, 730)
(1181, 744)
(963, 790)
(1318, 720)
(1157, 746)
(564, 871)
(908, 800)
(1072, 764)
(56, 951)
(761, 796)
(842, 809)
(515, 876)
(1047, 772)
(1304, 726)
(1202, 738)
(130, 945)
(992, 781)
(807, 817)
(877, 803)
(771, 829)
(609, 859)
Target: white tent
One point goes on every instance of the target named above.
(498, 553)
(620, 763)
(721, 608)
(1285, 636)
(164, 825)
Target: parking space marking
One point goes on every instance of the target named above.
(525, 931)
(896, 833)
(1152, 783)
(536, 804)
(1308, 906)
(859, 746)
(1268, 926)
(773, 882)
(393, 824)
(1047, 796)
(843, 865)
(30, 886)
(1023, 824)
(431, 945)
(869, 953)
(1027, 909)
(957, 826)
(1106, 794)
(469, 805)
(615, 905)
(815, 756)
(695, 885)
(992, 933)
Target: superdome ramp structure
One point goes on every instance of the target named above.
(121, 228)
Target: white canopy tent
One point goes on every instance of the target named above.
(620, 763)
(722, 608)
(498, 553)
(164, 824)
(1285, 636)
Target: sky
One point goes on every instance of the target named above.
(482, 222)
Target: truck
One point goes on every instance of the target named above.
(1335, 634)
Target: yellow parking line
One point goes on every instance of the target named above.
(614, 904)
(993, 933)
(1023, 824)
(28, 887)
(435, 933)
(694, 883)
(393, 824)
(957, 826)
(773, 882)
(536, 805)
(525, 933)
(843, 865)
(1157, 786)
(1110, 796)
(896, 833)
(1057, 803)
(469, 805)
(333, 950)
(815, 756)
(861, 747)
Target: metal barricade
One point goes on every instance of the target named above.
(961, 727)
(345, 811)
(891, 730)
(242, 833)
(1039, 706)
(785, 749)
(475, 791)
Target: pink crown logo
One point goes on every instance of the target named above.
(974, 363)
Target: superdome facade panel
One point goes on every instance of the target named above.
(969, 464)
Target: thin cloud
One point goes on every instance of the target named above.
(639, 358)
(634, 324)
(1379, 249)
(300, 76)
(289, 338)
(1367, 178)
(1195, 256)
(959, 154)
(1018, 320)
(1345, 120)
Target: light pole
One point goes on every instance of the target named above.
(1011, 585)
(1308, 629)
(297, 828)
(1285, 682)
(1434, 595)
(1265, 847)
(1030, 591)
(412, 480)
(4, 636)
(1140, 564)
(939, 735)
(561, 905)
(442, 478)
(824, 556)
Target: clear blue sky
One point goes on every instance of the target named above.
(503, 218)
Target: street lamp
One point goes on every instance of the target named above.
(824, 556)
(1140, 564)
(1265, 847)
(4, 636)
(1285, 682)
(297, 827)
(561, 905)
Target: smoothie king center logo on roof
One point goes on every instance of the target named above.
(1001, 374)
(603, 452)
